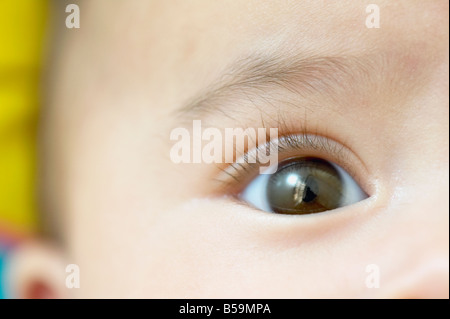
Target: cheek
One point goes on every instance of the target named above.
(212, 248)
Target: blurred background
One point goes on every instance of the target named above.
(22, 37)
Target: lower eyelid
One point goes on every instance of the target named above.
(309, 220)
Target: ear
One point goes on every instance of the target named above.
(35, 271)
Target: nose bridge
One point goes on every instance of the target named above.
(417, 221)
(421, 196)
(420, 203)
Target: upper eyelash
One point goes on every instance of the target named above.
(293, 142)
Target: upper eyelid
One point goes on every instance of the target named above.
(298, 145)
(293, 142)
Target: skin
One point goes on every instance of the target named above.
(139, 225)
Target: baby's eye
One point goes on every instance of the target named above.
(303, 186)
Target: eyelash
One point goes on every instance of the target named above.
(234, 177)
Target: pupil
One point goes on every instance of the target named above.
(308, 195)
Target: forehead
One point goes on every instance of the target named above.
(180, 46)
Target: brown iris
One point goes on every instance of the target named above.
(304, 186)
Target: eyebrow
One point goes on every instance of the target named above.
(300, 76)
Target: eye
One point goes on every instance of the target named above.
(303, 186)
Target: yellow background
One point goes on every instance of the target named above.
(22, 25)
